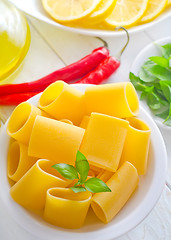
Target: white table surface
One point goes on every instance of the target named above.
(51, 49)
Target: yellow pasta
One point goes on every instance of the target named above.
(123, 183)
(105, 176)
(66, 121)
(18, 161)
(103, 141)
(61, 100)
(84, 122)
(21, 121)
(136, 145)
(117, 99)
(30, 190)
(67, 209)
(55, 140)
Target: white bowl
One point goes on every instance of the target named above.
(149, 51)
(34, 8)
(135, 210)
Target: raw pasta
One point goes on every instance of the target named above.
(55, 140)
(123, 183)
(66, 209)
(18, 160)
(117, 99)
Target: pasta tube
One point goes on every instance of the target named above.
(61, 100)
(55, 140)
(84, 122)
(18, 161)
(116, 99)
(30, 190)
(67, 209)
(136, 145)
(104, 140)
(122, 183)
(21, 121)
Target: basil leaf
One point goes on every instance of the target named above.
(153, 101)
(166, 89)
(96, 185)
(78, 189)
(166, 50)
(159, 72)
(66, 170)
(161, 61)
(82, 166)
(136, 81)
(164, 114)
(167, 121)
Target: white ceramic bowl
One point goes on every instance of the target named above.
(34, 8)
(135, 210)
(149, 51)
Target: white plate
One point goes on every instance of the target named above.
(34, 8)
(135, 210)
(149, 51)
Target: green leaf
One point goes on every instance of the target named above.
(153, 101)
(78, 189)
(66, 170)
(166, 50)
(166, 89)
(146, 76)
(82, 166)
(161, 61)
(164, 114)
(96, 185)
(167, 121)
(159, 72)
(136, 81)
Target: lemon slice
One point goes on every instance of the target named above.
(127, 12)
(169, 2)
(103, 11)
(154, 8)
(70, 10)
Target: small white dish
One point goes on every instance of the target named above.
(34, 8)
(136, 209)
(149, 51)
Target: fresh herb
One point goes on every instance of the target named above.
(80, 172)
(154, 83)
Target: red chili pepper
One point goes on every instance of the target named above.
(16, 98)
(102, 72)
(68, 74)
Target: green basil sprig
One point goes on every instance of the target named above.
(80, 172)
(154, 83)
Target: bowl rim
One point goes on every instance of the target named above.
(110, 232)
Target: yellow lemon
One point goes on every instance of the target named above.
(65, 11)
(127, 13)
(169, 2)
(154, 8)
(104, 9)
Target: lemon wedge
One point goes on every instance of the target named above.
(65, 11)
(104, 9)
(127, 13)
(154, 8)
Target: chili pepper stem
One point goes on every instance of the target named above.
(105, 44)
(128, 38)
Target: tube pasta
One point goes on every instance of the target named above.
(117, 99)
(66, 209)
(21, 121)
(61, 100)
(104, 140)
(105, 176)
(122, 183)
(18, 161)
(66, 121)
(136, 145)
(30, 190)
(55, 140)
(84, 122)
